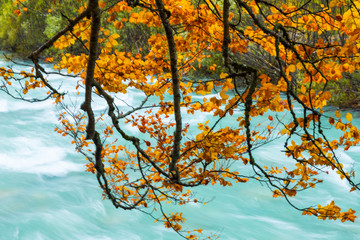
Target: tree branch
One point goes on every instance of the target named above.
(175, 155)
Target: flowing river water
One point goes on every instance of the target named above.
(46, 194)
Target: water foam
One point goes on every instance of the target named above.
(33, 156)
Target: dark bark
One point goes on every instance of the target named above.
(90, 70)
(175, 155)
(226, 40)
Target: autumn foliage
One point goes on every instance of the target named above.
(277, 56)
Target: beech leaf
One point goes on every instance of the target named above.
(349, 117)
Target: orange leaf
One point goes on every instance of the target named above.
(102, 4)
(337, 114)
(223, 95)
(17, 12)
(292, 68)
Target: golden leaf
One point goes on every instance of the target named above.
(292, 68)
(223, 95)
(223, 75)
(303, 89)
(349, 117)
(337, 114)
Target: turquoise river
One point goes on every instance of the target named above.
(45, 194)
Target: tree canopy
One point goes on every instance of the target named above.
(267, 57)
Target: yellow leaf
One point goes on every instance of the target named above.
(337, 114)
(274, 10)
(209, 86)
(223, 75)
(349, 117)
(332, 3)
(107, 32)
(115, 35)
(292, 68)
(114, 43)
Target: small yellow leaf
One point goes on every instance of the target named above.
(349, 117)
(115, 35)
(332, 4)
(107, 32)
(114, 43)
(292, 68)
(337, 114)
(223, 75)
(274, 10)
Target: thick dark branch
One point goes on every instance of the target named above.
(175, 155)
(226, 40)
(89, 81)
(135, 141)
(248, 105)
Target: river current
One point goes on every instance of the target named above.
(45, 193)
